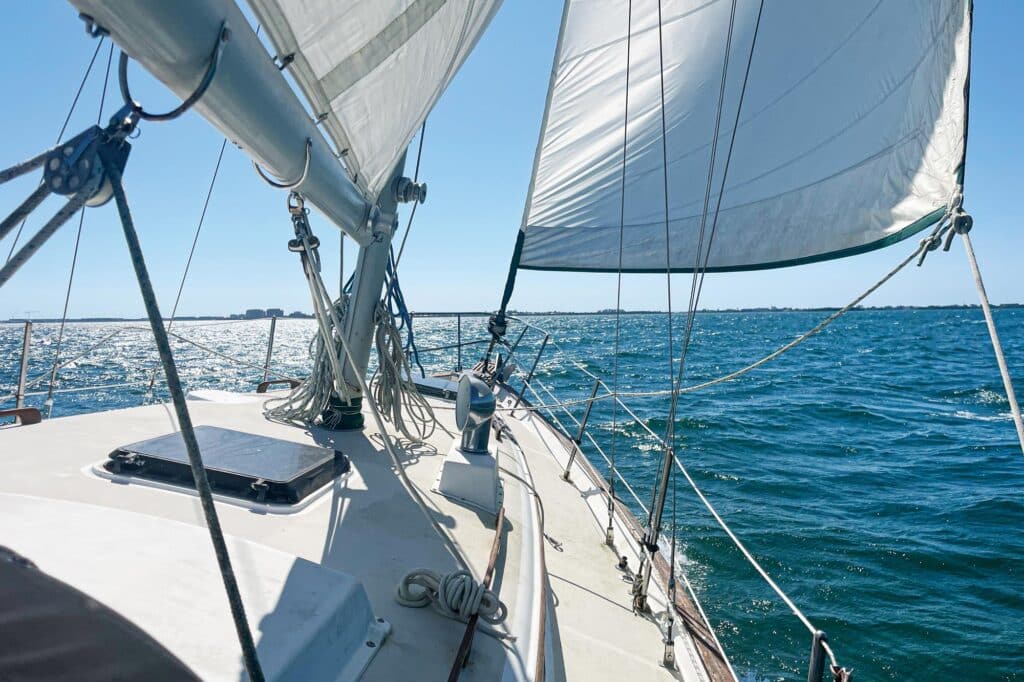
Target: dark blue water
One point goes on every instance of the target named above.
(873, 470)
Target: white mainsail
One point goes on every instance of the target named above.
(851, 133)
(374, 68)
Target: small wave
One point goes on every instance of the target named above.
(966, 414)
(990, 397)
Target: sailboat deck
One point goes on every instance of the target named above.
(369, 526)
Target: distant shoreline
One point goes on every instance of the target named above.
(551, 313)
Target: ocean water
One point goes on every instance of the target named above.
(873, 471)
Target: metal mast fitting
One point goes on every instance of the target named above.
(369, 281)
(249, 101)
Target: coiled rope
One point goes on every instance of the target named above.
(311, 398)
(394, 391)
(457, 595)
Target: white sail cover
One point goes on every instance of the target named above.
(851, 132)
(374, 67)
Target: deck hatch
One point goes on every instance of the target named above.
(241, 465)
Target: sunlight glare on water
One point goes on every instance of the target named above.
(873, 471)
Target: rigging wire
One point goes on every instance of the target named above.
(698, 269)
(997, 347)
(725, 174)
(695, 297)
(697, 280)
(664, 165)
(48, 403)
(64, 127)
(618, 281)
(415, 178)
(669, 654)
(922, 248)
(188, 262)
(195, 238)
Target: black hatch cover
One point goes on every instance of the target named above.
(242, 465)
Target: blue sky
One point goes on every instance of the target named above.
(477, 159)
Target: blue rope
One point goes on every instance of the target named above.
(394, 301)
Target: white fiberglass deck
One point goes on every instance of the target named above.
(367, 525)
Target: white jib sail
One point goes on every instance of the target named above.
(850, 137)
(373, 68)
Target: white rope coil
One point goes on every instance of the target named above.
(394, 391)
(310, 400)
(456, 595)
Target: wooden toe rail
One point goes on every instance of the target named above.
(23, 416)
(462, 656)
(264, 385)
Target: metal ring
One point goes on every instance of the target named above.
(93, 29)
(211, 69)
(288, 185)
(298, 206)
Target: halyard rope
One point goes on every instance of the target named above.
(312, 397)
(202, 483)
(750, 558)
(923, 247)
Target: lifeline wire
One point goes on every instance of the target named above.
(678, 464)
(922, 248)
